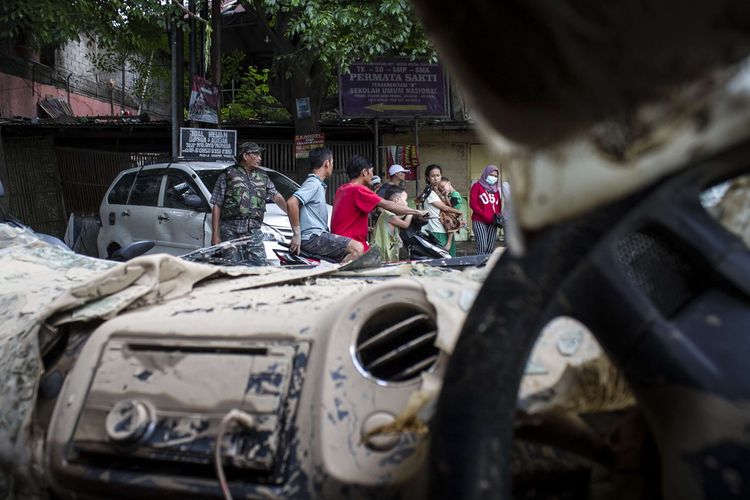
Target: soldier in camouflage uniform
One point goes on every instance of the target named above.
(239, 203)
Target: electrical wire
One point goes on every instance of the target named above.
(246, 420)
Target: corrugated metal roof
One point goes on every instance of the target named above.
(82, 122)
(134, 121)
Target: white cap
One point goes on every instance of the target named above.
(375, 180)
(396, 169)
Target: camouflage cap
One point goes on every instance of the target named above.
(249, 147)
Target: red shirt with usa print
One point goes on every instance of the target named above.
(484, 204)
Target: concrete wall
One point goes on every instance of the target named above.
(24, 82)
(460, 153)
(20, 98)
(76, 57)
(448, 148)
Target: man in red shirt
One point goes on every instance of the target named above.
(354, 201)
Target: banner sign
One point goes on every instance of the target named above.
(303, 107)
(204, 101)
(393, 88)
(303, 144)
(207, 143)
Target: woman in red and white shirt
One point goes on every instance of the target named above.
(484, 200)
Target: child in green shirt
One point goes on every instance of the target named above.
(386, 236)
(456, 200)
(451, 222)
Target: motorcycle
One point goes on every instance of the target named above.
(421, 246)
(306, 259)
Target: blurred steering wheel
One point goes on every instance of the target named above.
(666, 291)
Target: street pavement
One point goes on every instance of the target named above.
(469, 247)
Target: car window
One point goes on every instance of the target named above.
(146, 190)
(119, 193)
(209, 178)
(284, 184)
(178, 186)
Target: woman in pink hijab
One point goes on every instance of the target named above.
(484, 200)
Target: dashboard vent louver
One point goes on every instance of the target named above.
(397, 344)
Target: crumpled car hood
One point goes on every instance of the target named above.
(45, 288)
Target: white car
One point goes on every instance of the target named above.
(169, 204)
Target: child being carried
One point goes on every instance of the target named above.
(452, 222)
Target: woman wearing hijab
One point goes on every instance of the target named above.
(484, 200)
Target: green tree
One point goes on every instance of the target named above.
(123, 30)
(251, 96)
(314, 40)
(134, 25)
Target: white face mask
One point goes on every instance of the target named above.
(491, 179)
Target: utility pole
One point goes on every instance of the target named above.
(216, 23)
(177, 91)
(202, 39)
(192, 46)
(122, 95)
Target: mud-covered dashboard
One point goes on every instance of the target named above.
(159, 405)
(313, 369)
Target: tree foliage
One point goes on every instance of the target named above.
(121, 30)
(340, 31)
(136, 25)
(252, 97)
(314, 40)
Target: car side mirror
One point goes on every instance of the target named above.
(192, 200)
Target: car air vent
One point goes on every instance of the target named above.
(397, 344)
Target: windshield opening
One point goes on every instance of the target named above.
(209, 178)
(284, 185)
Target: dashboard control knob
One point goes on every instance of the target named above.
(128, 421)
(379, 442)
